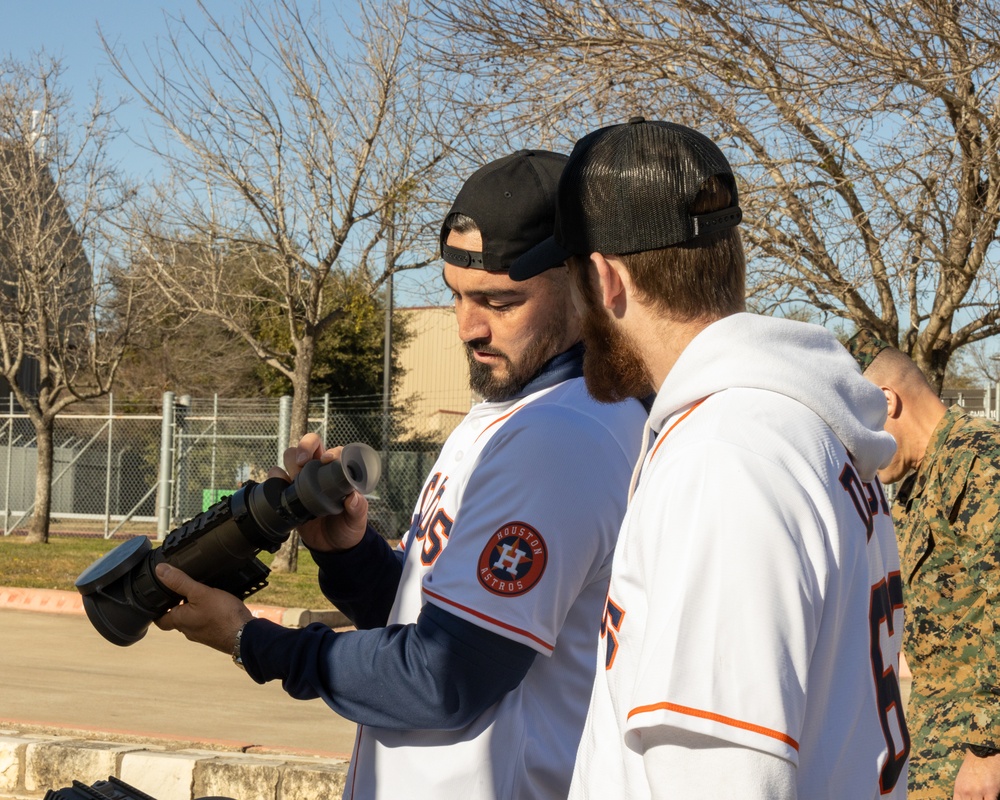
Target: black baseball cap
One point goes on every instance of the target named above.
(513, 203)
(628, 188)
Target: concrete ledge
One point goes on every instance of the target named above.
(46, 763)
(165, 776)
(33, 763)
(57, 601)
(244, 780)
(301, 617)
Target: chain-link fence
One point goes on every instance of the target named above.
(135, 468)
(146, 468)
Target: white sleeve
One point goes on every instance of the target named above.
(690, 765)
(538, 522)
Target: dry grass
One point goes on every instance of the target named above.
(57, 564)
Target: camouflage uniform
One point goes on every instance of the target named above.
(948, 521)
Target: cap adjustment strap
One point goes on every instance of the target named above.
(458, 257)
(717, 220)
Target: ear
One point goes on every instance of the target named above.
(614, 282)
(893, 401)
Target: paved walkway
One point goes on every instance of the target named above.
(62, 684)
(59, 671)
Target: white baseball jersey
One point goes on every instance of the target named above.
(514, 532)
(756, 595)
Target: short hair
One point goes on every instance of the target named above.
(701, 278)
(460, 223)
(895, 369)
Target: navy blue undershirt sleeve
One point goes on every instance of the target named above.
(437, 674)
(362, 581)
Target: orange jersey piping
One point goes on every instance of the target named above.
(492, 621)
(501, 419)
(683, 417)
(695, 712)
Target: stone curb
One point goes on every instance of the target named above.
(33, 763)
(56, 601)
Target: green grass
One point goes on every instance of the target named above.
(57, 564)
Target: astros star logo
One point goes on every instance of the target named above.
(513, 560)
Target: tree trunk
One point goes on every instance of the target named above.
(39, 529)
(287, 558)
(299, 422)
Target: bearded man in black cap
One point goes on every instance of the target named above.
(753, 622)
(474, 664)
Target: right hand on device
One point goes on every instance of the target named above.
(336, 532)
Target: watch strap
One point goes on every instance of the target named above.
(237, 645)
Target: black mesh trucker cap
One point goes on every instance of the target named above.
(513, 203)
(627, 188)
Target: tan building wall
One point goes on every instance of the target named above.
(435, 388)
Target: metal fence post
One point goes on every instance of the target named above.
(387, 367)
(107, 472)
(284, 426)
(215, 443)
(10, 445)
(182, 452)
(326, 420)
(166, 467)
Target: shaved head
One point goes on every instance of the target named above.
(894, 368)
(913, 406)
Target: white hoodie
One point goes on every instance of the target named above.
(755, 352)
(755, 597)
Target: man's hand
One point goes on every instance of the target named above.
(334, 533)
(209, 616)
(978, 778)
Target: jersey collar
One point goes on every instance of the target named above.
(568, 364)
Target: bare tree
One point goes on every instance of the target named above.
(191, 353)
(194, 356)
(63, 327)
(867, 134)
(297, 153)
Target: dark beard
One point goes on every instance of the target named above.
(493, 386)
(484, 382)
(612, 367)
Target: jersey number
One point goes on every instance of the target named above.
(611, 623)
(886, 600)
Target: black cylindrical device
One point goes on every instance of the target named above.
(219, 547)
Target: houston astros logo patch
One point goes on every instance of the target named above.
(513, 561)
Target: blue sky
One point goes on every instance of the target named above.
(68, 30)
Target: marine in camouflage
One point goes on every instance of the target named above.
(947, 517)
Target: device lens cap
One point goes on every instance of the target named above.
(111, 566)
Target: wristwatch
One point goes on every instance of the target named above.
(981, 751)
(237, 654)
